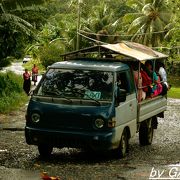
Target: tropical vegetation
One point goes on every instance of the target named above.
(47, 28)
(44, 26)
(11, 92)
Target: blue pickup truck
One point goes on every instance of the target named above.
(91, 102)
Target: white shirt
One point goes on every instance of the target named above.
(163, 75)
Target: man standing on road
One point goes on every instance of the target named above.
(34, 74)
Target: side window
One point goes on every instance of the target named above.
(123, 81)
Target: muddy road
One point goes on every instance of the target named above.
(161, 160)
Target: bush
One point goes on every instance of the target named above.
(10, 82)
(5, 62)
(11, 91)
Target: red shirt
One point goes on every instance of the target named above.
(26, 76)
(35, 70)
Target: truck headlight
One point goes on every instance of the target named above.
(35, 117)
(99, 123)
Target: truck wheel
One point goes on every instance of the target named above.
(145, 134)
(45, 150)
(123, 146)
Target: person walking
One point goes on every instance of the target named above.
(27, 81)
(34, 74)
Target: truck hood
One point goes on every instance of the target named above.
(63, 116)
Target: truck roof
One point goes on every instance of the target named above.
(90, 64)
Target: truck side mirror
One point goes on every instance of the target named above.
(120, 95)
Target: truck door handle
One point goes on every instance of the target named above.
(130, 105)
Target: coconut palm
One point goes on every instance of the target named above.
(11, 27)
(15, 31)
(148, 26)
(101, 24)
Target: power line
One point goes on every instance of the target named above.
(124, 35)
(97, 41)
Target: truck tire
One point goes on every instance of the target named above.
(45, 150)
(121, 151)
(146, 133)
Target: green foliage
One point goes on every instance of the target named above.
(11, 91)
(12, 4)
(4, 62)
(174, 92)
(106, 21)
(149, 27)
(12, 102)
(18, 20)
(35, 15)
(50, 54)
(102, 23)
(10, 82)
(11, 28)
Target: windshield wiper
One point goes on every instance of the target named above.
(58, 95)
(76, 91)
(61, 95)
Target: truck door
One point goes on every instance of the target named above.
(126, 112)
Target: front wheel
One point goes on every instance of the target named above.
(123, 146)
(146, 132)
(45, 150)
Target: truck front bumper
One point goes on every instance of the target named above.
(56, 138)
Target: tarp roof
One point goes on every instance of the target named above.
(128, 49)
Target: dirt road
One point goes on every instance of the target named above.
(161, 160)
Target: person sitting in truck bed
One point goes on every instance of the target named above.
(146, 83)
(141, 95)
(160, 69)
(157, 87)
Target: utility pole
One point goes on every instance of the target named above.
(78, 24)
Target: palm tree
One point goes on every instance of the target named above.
(15, 31)
(101, 24)
(11, 27)
(148, 25)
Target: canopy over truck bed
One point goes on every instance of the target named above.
(131, 50)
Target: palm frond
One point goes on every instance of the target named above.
(17, 22)
(165, 17)
(137, 23)
(129, 17)
(147, 9)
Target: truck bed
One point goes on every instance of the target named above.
(151, 107)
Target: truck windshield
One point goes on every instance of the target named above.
(78, 84)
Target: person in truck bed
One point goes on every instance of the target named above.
(157, 87)
(138, 82)
(160, 69)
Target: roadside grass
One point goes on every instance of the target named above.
(12, 102)
(12, 95)
(174, 92)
